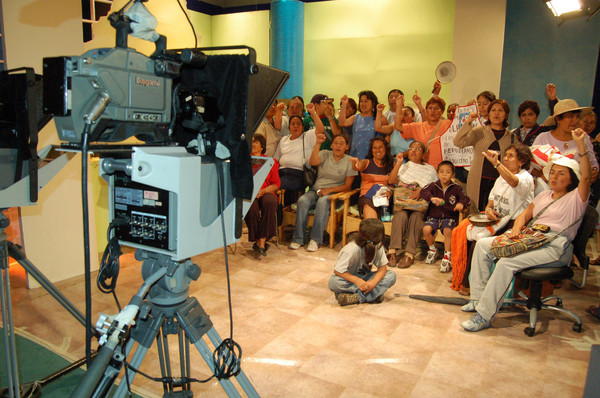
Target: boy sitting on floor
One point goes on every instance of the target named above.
(446, 199)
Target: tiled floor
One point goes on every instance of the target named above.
(297, 342)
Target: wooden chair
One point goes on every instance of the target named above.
(336, 214)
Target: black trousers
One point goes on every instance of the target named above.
(261, 219)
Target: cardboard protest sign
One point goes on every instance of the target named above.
(458, 156)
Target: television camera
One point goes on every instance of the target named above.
(174, 131)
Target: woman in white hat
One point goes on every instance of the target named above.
(566, 116)
(560, 209)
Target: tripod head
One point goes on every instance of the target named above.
(173, 287)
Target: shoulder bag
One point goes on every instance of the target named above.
(308, 173)
(531, 237)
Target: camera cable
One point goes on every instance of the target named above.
(228, 355)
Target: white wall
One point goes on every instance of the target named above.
(477, 48)
(52, 230)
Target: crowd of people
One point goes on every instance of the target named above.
(396, 158)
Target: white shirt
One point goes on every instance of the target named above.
(422, 174)
(513, 201)
(289, 152)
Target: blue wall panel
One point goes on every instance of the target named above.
(287, 43)
(537, 52)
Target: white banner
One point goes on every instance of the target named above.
(458, 156)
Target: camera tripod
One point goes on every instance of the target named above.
(168, 310)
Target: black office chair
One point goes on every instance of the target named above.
(534, 278)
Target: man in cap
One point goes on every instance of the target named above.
(324, 109)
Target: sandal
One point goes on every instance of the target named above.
(464, 291)
(593, 310)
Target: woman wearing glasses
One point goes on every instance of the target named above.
(407, 223)
(494, 136)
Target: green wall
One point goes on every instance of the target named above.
(352, 45)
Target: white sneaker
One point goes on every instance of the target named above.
(446, 265)
(470, 306)
(476, 323)
(294, 246)
(431, 256)
(312, 246)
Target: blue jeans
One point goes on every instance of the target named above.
(305, 203)
(337, 284)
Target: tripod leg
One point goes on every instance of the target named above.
(7, 322)
(208, 358)
(32, 270)
(241, 377)
(136, 361)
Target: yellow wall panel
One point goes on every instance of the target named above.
(248, 28)
(352, 45)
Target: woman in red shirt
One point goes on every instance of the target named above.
(262, 216)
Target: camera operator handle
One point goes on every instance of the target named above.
(126, 317)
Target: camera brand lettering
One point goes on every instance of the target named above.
(147, 82)
(146, 117)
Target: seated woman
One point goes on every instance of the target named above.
(409, 223)
(293, 153)
(261, 219)
(509, 197)
(494, 136)
(335, 175)
(561, 209)
(373, 170)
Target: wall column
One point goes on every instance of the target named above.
(287, 43)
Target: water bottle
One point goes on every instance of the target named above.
(385, 214)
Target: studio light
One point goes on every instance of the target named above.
(560, 7)
(571, 9)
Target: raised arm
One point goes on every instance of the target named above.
(585, 166)
(319, 127)
(466, 136)
(315, 159)
(344, 121)
(399, 108)
(381, 123)
(278, 115)
(393, 176)
(335, 128)
(508, 175)
(419, 104)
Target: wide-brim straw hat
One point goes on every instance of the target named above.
(562, 161)
(568, 105)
